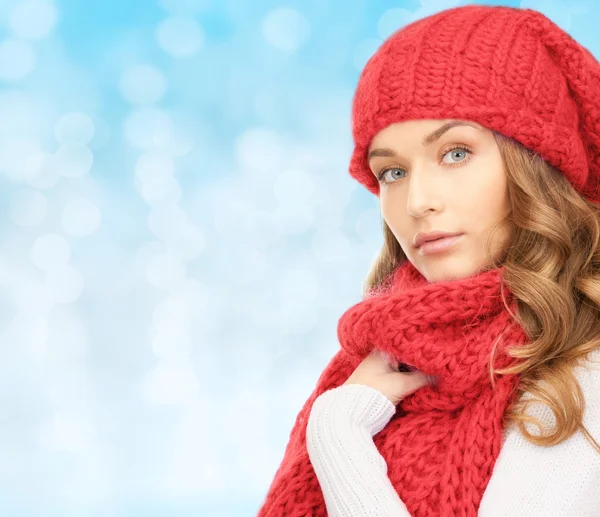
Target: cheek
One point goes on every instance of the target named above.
(397, 219)
(486, 197)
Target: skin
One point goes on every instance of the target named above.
(377, 371)
(434, 187)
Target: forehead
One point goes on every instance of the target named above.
(428, 130)
(423, 125)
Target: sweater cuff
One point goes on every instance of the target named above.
(362, 405)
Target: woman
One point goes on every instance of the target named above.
(468, 379)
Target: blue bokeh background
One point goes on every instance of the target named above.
(180, 236)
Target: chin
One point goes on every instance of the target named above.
(445, 268)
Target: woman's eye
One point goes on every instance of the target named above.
(455, 151)
(461, 152)
(386, 172)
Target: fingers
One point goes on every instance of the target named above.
(416, 380)
(432, 379)
(394, 364)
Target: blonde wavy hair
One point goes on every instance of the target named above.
(552, 268)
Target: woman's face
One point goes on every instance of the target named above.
(440, 177)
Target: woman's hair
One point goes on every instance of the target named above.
(552, 269)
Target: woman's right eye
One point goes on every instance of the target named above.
(385, 171)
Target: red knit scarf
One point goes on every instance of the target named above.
(443, 441)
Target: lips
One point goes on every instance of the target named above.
(439, 245)
(422, 238)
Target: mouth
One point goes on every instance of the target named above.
(439, 245)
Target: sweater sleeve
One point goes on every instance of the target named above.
(339, 440)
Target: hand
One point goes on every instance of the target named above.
(376, 371)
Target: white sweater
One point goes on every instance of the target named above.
(527, 481)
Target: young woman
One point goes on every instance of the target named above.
(468, 379)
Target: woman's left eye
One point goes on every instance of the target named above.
(458, 149)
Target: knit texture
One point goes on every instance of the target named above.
(441, 445)
(512, 70)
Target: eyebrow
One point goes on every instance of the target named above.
(429, 139)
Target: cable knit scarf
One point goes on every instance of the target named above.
(443, 441)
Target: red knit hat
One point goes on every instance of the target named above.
(511, 70)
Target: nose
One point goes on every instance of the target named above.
(423, 194)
